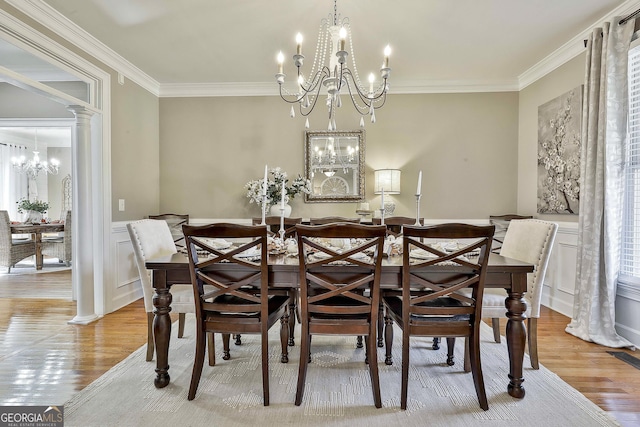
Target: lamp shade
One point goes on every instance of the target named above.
(387, 179)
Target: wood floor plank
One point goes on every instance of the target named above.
(44, 360)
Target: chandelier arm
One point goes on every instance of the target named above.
(365, 97)
(315, 82)
(313, 104)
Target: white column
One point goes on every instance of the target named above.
(82, 213)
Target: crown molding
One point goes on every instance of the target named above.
(50, 18)
(572, 48)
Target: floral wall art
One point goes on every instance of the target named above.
(559, 122)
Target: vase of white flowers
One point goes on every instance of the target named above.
(33, 210)
(274, 190)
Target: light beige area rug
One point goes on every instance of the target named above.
(338, 390)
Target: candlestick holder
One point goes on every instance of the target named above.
(381, 216)
(264, 209)
(281, 231)
(417, 210)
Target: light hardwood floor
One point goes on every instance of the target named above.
(44, 360)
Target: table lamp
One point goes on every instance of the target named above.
(389, 181)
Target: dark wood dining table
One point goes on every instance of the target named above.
(36, 231)
(502, 272)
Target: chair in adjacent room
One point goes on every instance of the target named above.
(12, 250)
(437, 307)
(394, 223)
(152, 238)
(60, 247)
(501, 222)
(175, 223)
(340, 290)
(332, 219)
(273, 223)
(529, 240)
(240, 300)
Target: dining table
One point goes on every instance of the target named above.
(36, 231)
(502, 272)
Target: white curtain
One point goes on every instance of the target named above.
(604, 134)
(13, 185)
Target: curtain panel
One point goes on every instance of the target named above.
(13, 185)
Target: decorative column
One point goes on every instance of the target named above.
(82, 214)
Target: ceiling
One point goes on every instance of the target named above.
(434, 42)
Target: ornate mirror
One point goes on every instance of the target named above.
(334, 163)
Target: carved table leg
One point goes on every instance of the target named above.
(516, 338)
(161, 328)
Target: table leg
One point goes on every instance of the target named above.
(161, 327)
(37, 238)
(516, 336)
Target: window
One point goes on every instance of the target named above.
(630, 254)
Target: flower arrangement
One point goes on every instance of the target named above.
(25, 205)
(274, 187)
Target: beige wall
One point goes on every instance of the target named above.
(465, 144)
(560, 81)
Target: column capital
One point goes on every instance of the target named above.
(80, 112)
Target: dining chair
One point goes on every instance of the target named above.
(175, 223)
(152, 238)
(60, 246)
(332, 219)
(428, 307)
(340, 290)
(240, 301)
(12, 250)
(273, 224)
(394, 223)
(501, 223)
(529, 240)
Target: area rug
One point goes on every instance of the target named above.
(338, 390)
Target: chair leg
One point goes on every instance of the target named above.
(476, 368)
(226, 355)
(238, 339)
(284, 337)
(305, 355)
(495, 324)
(373, 369)
(181, 320)
(532, 334)
(366, 349)
(211, 342)
(436, 343)
(293, 306)
(150, 340)
(405, 369)
(467, 363)
(451, 346)
(359, 342)
(198, 361)
(388, 340)
(265, 363)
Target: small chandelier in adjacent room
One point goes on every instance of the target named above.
(330, 70)
(34, 166)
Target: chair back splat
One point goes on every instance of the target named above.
(439, 264)
(340, 265)
(232, 260)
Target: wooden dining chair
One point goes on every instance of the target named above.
(175, 223)
(273, 223)
(241, 301)
(428, 307)
(12, 250)
(394, 223)
(332, 219)
(340, 290)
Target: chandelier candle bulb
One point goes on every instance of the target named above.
(387, 52)
(419, 190)
(343, 37)
(280, 59)
(299, 44)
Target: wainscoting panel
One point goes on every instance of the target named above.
(126, 287)
(559, 283)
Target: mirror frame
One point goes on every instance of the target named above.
(318, 198)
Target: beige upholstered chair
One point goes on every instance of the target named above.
(527, 240)
(501, 222)
(152, 238)
(60, 247)
(12, 250)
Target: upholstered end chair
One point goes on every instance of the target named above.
(153, 239)
(529, 240)
(12, 250)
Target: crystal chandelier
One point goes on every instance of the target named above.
(34, 166)
(333, 157)
(335, 76)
